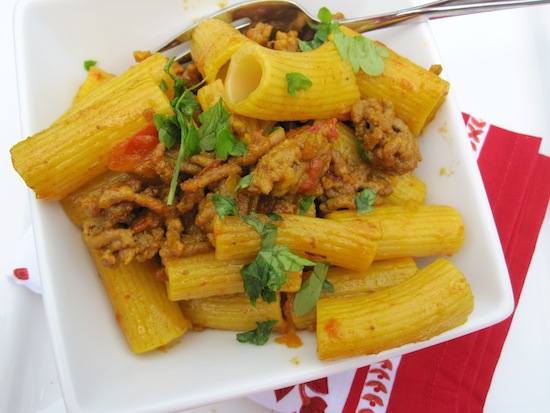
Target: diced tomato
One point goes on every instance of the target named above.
(129, 153)
(314, 172)
(327, 128)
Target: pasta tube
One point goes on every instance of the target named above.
(413, 230)
(213, 43)
(346, 283)
(96, 78)
(416, 93)
(434, 300)
(203, 275)
(256, 84)
(95, 93)
(406, 188)
(349, 244)
(141, 306)
(75, 150)
(232, 312)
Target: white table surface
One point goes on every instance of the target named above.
(499, 67)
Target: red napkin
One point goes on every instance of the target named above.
(453, 376)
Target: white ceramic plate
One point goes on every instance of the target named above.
(97, 371)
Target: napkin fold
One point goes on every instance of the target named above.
(454, 376)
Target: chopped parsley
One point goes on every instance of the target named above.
(244, 182)
(268, 272)
(306, 298)
(364, 201)
(322, 31)
(225, 205)
(305, 204)
(260, 335)
(361, 52)
(214, 133)
(89, 63)
(297, 82)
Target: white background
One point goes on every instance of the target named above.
(499, 66)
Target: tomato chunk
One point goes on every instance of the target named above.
(131, 152)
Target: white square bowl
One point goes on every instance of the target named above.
(97, 371)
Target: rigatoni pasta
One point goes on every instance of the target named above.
(436, 299)
(256, 84)
(141, 305)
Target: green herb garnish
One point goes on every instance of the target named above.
(308, 295)
(305, 204)
(89, 63)
(267, 273)
(244, 182)
(364, 201)
(215, 132)
(260, 335)
(361, 52)
(297, 82)
(322, 31)
(225, 205)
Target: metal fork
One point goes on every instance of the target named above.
(283, 12)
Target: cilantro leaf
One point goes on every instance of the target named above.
(179, 128)
(297, 82)
(305, 204)
(361, 52)
(244, 182)
(89, 63)
(268, 272)
(168, 129)
(364, 201)
(322, 31)
(215, 132)
(260, 335)
(225, 205)
(306, 298)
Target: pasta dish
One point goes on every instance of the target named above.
(267, 186)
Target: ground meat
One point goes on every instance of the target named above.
(387, 140)
(287, 41)
(297, 164)
(260, 33)
(213, 173)
(126, 222)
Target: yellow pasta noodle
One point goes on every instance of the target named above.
(232, 312)
(95, 92)
(434, 300)
(75, 150)
(406, 188)
(142, 308)
(415, 92)
(256, 84)
(381, 274)
(349, 244)
(413, 230)
(203, 275)
(213, 43)
(96, 78)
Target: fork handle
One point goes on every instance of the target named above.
(435, 10)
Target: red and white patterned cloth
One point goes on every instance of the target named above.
(452, 377)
